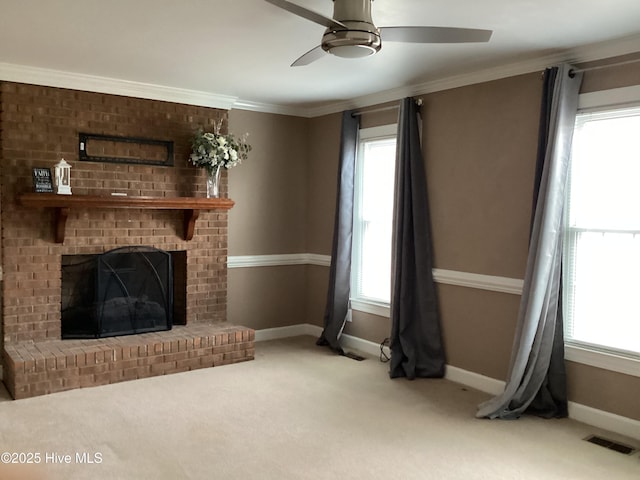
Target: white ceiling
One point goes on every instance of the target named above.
(243, 48)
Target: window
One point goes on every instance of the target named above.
(372, 220)
(602, 233)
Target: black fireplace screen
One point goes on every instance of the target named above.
(121, 292)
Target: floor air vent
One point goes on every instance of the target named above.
(610, 444)
(354, 356)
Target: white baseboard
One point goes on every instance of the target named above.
(365, 346)
(289, 331)
(475, 380)
(627, 427)
(605, 420)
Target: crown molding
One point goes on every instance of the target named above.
(91, 83)
(603, 50)
(455, 81)
(271, 108)
(586, 53)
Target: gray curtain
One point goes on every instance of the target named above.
(551, 400)
(537, 325)
(340, 271)
(416, 340)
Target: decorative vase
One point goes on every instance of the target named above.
(213, 182)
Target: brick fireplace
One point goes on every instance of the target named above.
(38, 127)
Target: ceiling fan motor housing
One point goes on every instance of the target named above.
(361, 38)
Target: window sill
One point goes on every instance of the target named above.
(607, 361)
(368, 306)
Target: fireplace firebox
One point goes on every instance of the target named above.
(124, 291)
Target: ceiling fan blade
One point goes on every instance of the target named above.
(434, 34)
(311, 56)
(305, 13)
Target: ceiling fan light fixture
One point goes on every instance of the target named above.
(351, 43)
(352, 51)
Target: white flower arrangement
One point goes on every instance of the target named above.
(214, 150)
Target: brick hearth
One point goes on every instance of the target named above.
(58, 365)
(38, 127)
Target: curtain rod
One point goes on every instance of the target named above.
(357, 113)
(588, 69)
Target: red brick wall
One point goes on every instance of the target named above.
(39, 126)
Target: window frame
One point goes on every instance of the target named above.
(358, 303)
(593, 355)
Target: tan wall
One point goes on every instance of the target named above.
(480, 148)
(324, 149)
(269, 217)
(267, 297)
(316, 295)
(603, 389)
(270, 187)
(285, 201)
(478, 328)
(369, 327)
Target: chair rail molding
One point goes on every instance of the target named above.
(278, 260)
(449, 277)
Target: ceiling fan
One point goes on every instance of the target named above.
(352, 34)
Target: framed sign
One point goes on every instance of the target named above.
(107, 148)
(42, 182)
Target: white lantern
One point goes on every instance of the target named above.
(63, 178)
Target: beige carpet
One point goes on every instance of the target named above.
(296, 412)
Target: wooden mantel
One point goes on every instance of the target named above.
(62, 204)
